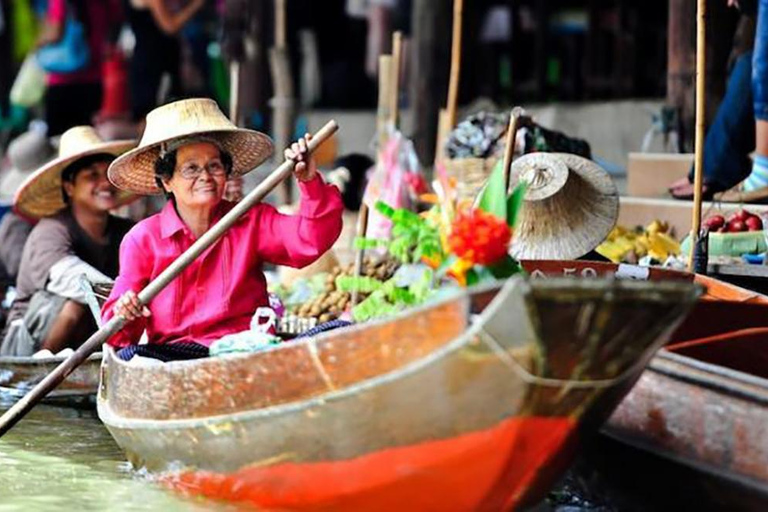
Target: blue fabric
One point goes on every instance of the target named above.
(68, 55)
(760, 63)
(759, 176)
(731, 137)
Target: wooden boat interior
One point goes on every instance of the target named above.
(745, 350)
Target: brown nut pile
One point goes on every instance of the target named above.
(331, 303)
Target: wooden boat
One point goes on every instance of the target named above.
(475, 402)
(703, 400)
(20, 374)
(704, 403)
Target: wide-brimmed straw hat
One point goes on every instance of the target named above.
(571, 204)
(40, 195)
(26, 153)
(187, 119)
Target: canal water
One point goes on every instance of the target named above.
(64, 459)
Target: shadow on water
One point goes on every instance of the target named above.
(63, 459)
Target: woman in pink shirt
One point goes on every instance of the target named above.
(188, 151)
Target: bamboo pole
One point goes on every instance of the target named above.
(116, 323)
(446, 119)
(509, 148)
(701, 69)
(362, 226)
(453, 84)
(397, 57)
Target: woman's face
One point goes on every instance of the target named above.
(199, 176)
(91, 189)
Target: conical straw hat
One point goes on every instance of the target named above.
(570, 206)
(40, 194)
(135, 170)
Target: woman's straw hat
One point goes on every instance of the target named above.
(135, 170)
(571, 204)
(26, 153)
(40, 195)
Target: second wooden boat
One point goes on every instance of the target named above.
(20, 374)
(476, 402)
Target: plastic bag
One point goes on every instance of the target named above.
(29, 87)
(395, 181)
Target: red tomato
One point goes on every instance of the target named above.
(736, 226)
(715, 222)
(754, 223)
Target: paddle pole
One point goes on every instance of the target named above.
(701, 33)
(53, 379)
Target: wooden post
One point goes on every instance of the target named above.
(383, 112)
(282, 102)
(701, 70)
(397, 57)
(429, 64)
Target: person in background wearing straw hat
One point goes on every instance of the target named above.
(188, 150)
(76, 235)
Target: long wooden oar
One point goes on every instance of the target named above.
(53, 379)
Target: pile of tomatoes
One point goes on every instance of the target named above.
(737, 222)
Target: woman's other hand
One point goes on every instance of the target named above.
(305, 168)
(129, 307)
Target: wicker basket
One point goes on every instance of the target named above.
(470, 174)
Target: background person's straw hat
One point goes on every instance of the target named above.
(26, 153)
(135, 170)
(570, 206)
(40, 195)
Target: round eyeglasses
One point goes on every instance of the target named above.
(194, 171)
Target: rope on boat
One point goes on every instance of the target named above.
(528, 377)
(312, 349)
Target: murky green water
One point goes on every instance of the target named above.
(64, 459)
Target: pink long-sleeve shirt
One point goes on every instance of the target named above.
(219, 292)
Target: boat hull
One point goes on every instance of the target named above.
(420, 412)
(20, 374)
(705, 404)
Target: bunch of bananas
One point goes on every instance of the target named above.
(627, 246)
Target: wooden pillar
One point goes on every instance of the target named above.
(430, 55)
(245, 43)
(681, 61)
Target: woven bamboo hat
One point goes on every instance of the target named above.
(571, 204)
(40, 194)
(187, 119)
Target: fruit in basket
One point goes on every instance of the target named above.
(736, 226)
(754, 223)
(715, 222)
(737, 222)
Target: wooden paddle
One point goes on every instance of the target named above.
(53, 379)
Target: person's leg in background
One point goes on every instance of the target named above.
(731, 137)
(759, 176)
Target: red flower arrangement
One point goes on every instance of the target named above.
(479, 237)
